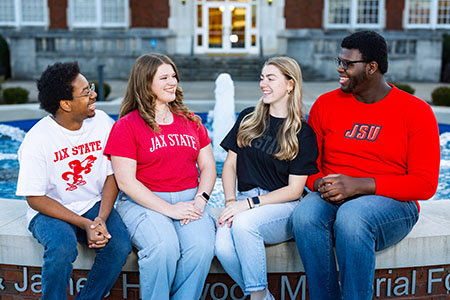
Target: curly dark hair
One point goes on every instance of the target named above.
(371, 45)
(55, 85)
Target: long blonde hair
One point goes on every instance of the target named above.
(140, 96)
(255, 124)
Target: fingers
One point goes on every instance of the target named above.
(226, 215)
(98, 244)
(193, 211)
(100, 226)
(97, 238)
(184, 222)
(333, 196)
(230, 221)
(102, 231)
(192, 215)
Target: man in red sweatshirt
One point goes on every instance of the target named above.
(379, 153)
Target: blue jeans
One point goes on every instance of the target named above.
(60, 251)
(240, 249)
(174, 260)
(357, 228)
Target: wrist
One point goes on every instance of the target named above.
(229, 200)
(366, 186)
(85, 223)
(199, 202)
(103, 218)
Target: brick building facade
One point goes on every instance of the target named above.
(100, 33)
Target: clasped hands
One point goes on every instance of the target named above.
(336, 188)
(97, 233)
(188, 211)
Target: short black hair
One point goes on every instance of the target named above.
(371, 45)
(55, 84)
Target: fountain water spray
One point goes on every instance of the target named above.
(224, 116)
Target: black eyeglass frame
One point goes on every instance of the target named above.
(344, 64)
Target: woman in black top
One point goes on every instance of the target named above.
(271, 151)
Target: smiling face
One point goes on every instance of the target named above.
(355, 76)
(83, 103)
(164, 84)
(275, 86)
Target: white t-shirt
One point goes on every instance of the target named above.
(67, 166)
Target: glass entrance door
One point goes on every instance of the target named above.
(215, 25)
(226, 27)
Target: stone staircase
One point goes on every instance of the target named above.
(241, 68)
(207, 68)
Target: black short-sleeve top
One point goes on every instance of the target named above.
(256, 167)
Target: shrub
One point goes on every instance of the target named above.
(441, 96)
(15, 95)
(106, 89)
(404, 87)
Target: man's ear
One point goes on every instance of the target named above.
(372, 67)
(65, 105)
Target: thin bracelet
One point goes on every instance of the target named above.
(248, 200)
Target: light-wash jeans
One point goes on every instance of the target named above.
(358, 228)
(240, 249)
(60, 238)
(174, 260)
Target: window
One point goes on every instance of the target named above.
(354, 13)
(23, 12)
(427, 14)
(98, 13)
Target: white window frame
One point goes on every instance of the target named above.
(18, 22)
(354, 17)
(98, 23)
(433, 17)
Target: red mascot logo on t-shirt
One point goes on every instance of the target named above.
(78, 169)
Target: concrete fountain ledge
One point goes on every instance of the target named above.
(427, 247)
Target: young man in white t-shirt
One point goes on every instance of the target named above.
(70, 187)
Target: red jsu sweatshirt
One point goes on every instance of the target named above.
(395, 141)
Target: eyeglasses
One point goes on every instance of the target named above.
(345, 63)
(89, 93)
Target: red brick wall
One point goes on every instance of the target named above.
(418, 283)
(394, 14)
(57, 14)
(149, 13)
(303, 13)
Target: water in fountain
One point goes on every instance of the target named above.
(10, 139)
(223, 115)
(443, 190)
(223, 118)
